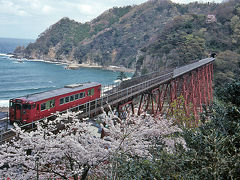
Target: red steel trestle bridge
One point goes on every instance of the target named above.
(189, 86)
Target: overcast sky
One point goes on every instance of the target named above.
(28, 18)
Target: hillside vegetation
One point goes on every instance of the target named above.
(193, 36)
(114, 37)
(154, 35)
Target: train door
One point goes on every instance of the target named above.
(37, 114)
(18, 112)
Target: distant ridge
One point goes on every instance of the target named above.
(8, 45)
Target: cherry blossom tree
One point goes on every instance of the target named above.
(67, 147)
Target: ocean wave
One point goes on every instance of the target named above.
(8, 55)
(26, 89)
(14, 82)
(4, 103)
(17, 62)
(19, 77)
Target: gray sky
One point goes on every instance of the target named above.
(28, 18)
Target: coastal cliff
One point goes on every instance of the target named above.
(113, 38)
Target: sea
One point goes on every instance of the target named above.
(21, 78)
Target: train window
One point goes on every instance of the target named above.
(82, 95)
(66, 99)
(76, 96)
(38, 107)
(26, 106)
(61, 101)
(90, 92)
(52, 103)
(18, 106)
(43, 106)
(33, 106)
(72, 98)
(11, 104)
(48, 105)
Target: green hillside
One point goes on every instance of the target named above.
(113, 38)
(154, 35)
(194, 36)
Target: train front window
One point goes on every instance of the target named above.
(11, 104)
(18, 106)
(26, 106)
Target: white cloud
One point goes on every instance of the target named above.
(47, 9)
(22, 13)
(85, 8)
(10, 8)
(34, 4)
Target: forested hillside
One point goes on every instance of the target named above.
(114, 37)
(194, 36)
(154, 35)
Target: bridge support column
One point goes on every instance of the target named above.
(144, 103)
(124, 110)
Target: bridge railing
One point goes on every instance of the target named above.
(146, 77)
(113, 98)
(189, 67)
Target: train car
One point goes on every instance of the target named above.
(37, 106)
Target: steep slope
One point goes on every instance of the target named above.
(194, 36)
(113, 38)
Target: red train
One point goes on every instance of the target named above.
(40, 105)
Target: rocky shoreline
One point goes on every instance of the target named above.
(69, 65)
(4, 109)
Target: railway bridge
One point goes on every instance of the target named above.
(189, 86)
(157, 90)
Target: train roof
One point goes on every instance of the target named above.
(57, 92)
